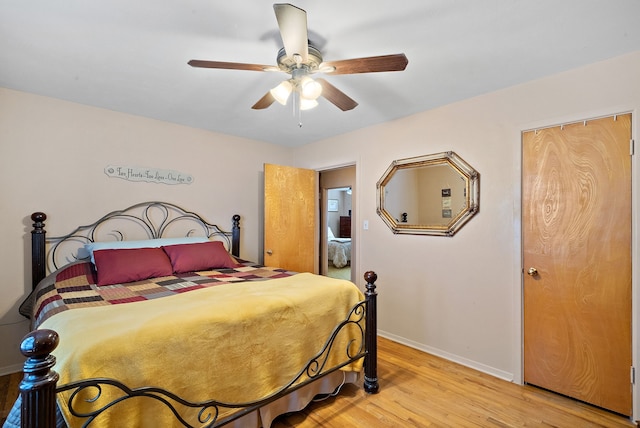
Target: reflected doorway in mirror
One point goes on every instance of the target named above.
(428, 195)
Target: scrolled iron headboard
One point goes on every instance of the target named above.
(146, 220)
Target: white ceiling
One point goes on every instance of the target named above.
(131, 56)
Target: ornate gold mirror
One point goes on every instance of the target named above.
(428, 195)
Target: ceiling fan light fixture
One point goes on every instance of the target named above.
(309, 88)
(282, 91)
(307, 104)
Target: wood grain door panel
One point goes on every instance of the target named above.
(576, 221)
(291, 218)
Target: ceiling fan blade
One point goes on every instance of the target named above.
(336, 96)
(292, 22)
(264, 102)
(231, 65)
(372, 64)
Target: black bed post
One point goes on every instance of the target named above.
(371, 338)
(38, 386)
(38, 257)
(235, 236)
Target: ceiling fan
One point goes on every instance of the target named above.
(300, 60)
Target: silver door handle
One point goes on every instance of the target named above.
(270, 252)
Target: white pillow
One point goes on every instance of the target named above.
(146, 243)
(330, 234)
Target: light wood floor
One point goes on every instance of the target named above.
(420, 390)
(8, 393)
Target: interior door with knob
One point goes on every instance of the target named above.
(576, 223)
(291, 215)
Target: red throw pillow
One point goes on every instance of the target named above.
(131, 264)
(199, 256)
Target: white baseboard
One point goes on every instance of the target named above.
(14, 368)
(448, 356)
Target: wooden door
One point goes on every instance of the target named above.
(291, 218)
(576, 222)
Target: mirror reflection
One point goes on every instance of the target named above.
(432, 195)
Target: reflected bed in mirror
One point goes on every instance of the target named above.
(428, 195)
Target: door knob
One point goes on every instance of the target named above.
(532, 271)
(269, 252)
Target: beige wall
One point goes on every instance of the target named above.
(52, 159)
(460, 297)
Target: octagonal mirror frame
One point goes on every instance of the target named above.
(457, 203)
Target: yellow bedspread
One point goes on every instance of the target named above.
(233, 342)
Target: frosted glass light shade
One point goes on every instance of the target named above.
(282, 91)
(309, 88)
(306, 104)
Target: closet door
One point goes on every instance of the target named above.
(576, 223)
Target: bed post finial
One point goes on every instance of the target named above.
(38, 257)
(371, 337)
(38, 387)
(235, 236)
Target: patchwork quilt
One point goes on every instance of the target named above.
(74, 286)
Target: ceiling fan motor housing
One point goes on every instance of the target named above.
(289, 63)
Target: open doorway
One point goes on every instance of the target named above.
(339, 232)
(337, 243)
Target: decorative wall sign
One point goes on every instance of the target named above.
(151, 175)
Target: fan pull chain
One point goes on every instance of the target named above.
(296, 108)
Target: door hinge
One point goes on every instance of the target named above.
(631, 147)
(633, 375)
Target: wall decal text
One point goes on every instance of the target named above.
(151, 175)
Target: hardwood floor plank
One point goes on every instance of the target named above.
(421, 390)
(8, 393)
